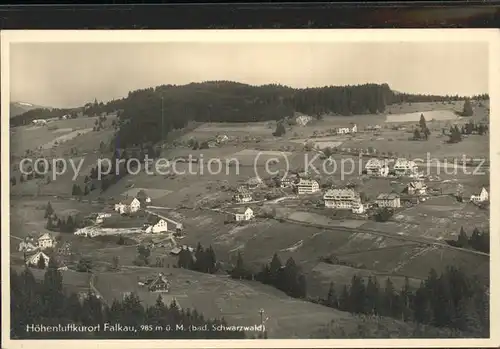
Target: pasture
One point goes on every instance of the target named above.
(429, 115)
(238, 302)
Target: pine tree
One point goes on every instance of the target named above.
(467, 109)
(372, 296)
(48, 210)
(344, 303)
(274, 267)
(331, 299)
(41, 263)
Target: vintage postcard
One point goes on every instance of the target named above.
(249, 188)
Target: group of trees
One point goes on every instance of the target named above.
(203, 260)
(451, 300)
(288, 278)
(46, 303)
(455, 136)
(470, 128)
(479, 241)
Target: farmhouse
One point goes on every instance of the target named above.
(221, 139)
(243, 214)
(376, 167)
(482, 197)
(254, 182)
(287, 182)
(391, 200)
(129, 205)
(416, 188)
(346, 130)
(34, 259)
(46, 241)
(155, 224)
(101, 216)
(342, 199)
(303, 120)
(307, 186)
(158, 283)
(404, 167)
(243, 196)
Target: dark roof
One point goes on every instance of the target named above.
(153, 219)
(141, 195)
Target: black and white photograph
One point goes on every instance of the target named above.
(263, 186)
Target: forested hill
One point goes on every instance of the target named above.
(218, 101)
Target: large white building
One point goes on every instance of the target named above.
(482, 197)
(243, 214)
(130, 205)
(46, 241)
(307, 186)
(391, 200)
(404, 167)
(156, 225)
(377, 167)
(342, 199)
(346, 130)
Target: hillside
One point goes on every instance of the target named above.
(18, 108)
(226, 101)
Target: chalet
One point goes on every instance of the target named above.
(482, 197)
(347, 130)
(287, 182)
(243, 196)
(254, 182)
(33, 260)
(342, 199)
(307, 186)
(155, 224)
(391, 200)
(416, 188)
(158, 283)
(303, 120)
(46, 241)
(404, 167)
(243, 214)
(377, 167)
(99, 217)
(221, 139)
(129, 205)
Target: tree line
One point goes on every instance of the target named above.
(288, 278)
(450, 300)
(46, 303)
(479, 241)
(202, 260)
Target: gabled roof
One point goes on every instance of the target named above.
(341, 192)
(153, 219)
(160, 279)
(241, 210)
(32, 257)
(46, 236)
(417, 185)
(307, 182)
(385, 196)
(128, 200)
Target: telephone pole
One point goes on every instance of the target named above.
(162, 121)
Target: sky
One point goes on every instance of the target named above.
(72, 74)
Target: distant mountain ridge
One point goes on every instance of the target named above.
(18, 108)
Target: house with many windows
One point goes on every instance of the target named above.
(129, 205)
(155, 225)
(481, 197)
(346, 199)
(391, 200)
(404, 167)
(242, 214)
(377, 167)
(307, 186)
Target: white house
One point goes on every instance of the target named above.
(377, 167)
(101, 216)
(46, 241)
(391, 200)
(417, 188)
(221, 139)
(303, 120)
(404, 167)
(128, 206)
(243, 196)
(342, 199)
(243, 214)
(482, 197)
(358, 208)
(34, 259)
(40, 122)
(156, 225)
(346, 130)
(307, 186)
